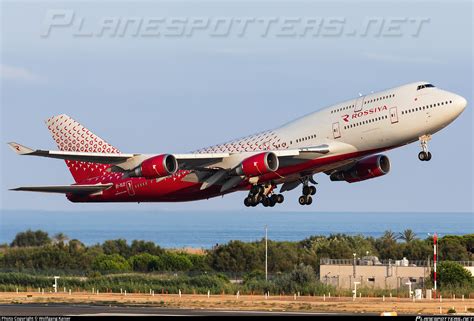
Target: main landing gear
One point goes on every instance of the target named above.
(263, 194)
(424, 155)
(308, 190)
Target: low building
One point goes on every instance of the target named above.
(370, 272)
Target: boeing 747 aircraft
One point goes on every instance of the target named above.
(343, 141)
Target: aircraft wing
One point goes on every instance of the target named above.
(66, 189)
(185, 161)
(207, 168)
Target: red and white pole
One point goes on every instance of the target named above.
(435, 248)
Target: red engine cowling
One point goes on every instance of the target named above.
(366, 168)
(157, 166)
(259, 164)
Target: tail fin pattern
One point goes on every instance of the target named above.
(72, 136)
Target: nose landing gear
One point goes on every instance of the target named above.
(424, 155)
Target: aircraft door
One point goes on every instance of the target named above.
(359, 103)
(393, 115)
(336, 130)
(130, 189)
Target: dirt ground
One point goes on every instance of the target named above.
(248, 302)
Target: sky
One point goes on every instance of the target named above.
(182, 80)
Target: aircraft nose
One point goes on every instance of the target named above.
(462, 102)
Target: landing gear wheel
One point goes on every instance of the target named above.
(280, 198)
(312, 190)
(274, 198)
(247, 201)
(266, 202)
(272, 202)
(306, 190)
(423, 156)
(302, 200)
(429, 157)
(258, 198)
(309, 200)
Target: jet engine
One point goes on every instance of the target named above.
(259, 164)
(369, 167)
(155, 167)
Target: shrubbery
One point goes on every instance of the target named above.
(452, 274)
(34, 251)
(110, 263)
(31, 238)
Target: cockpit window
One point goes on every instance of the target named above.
(424, 86)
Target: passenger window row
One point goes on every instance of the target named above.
(369, 121)
(365, 102)
(412, 110)
(299, 140)
(378, 99)
(342, 108)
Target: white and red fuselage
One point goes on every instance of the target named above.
(349, 132)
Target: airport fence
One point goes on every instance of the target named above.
(358, 261)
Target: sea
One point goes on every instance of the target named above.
(204, 229)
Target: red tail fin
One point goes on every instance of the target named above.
(72, 136)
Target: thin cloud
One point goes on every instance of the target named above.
(18, 73)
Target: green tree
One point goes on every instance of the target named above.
(236, 256)
(140, 246)
(468, 241)
(387, 246)
(453, 274)
(282, 256)
(451, 248)
(389, 236)
(142, 262)
(408, 235)
(110, 263)
(31, 238)
(301, 277)
(60, 237)
(199, 262)
(119, 246)
(418, 250)
(303, 274)
(76, 246)
(175, 262)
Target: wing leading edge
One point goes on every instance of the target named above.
(66, 189)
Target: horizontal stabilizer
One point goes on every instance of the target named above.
(20, 149)
(102, 158)
(66, 189)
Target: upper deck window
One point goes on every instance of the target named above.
(424, 86)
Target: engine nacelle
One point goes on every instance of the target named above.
(157, 166)
(369, 167)
(259, 164)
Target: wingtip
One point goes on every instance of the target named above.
(20, 149)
